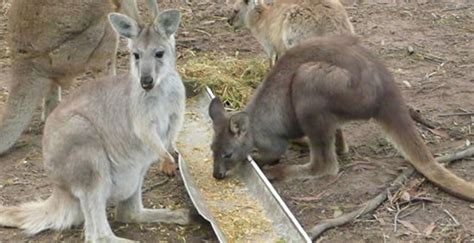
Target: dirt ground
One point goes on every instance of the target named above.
(437, 78)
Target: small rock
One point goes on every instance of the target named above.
(408, 84)
(410, 50)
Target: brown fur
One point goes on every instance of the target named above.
(312, 90)
(52, 42)
(286, 23)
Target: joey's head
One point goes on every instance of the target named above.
(152, 46)
(245, 12)
(232, 141)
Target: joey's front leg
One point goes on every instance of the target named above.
(167, 163)
(175, 126)
(270, 152)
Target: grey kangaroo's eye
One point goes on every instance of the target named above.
(159, 54)
(136, 56)
(227, 155)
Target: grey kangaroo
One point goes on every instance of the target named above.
(100, 142)
(52, 42)
(312, 90)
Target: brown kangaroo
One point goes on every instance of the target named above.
(52, 42)
(286, 23)
(312, 90)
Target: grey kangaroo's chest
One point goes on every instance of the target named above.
(169, 109)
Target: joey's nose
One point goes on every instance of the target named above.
(147, 82)
(219, 175)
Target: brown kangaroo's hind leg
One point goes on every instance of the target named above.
(323, 159)
(341, 145)
(398, 125)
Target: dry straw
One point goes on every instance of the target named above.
(231, 78)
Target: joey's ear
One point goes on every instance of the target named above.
(216, 110)
(239, 124)
(167, 22)
(124, 26)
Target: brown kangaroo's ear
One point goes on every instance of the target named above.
(216, 110)
(239, 124)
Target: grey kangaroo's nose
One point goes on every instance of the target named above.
(147, 82)
(219, 175)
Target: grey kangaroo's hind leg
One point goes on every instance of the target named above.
(132, 211)
(93, 205)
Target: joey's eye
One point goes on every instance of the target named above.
(227, 155)
(159, 54)
(136, 56)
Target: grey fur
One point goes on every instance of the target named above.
(99, 144)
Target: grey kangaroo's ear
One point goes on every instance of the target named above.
(167, 22)
(124, 26)
(216, 110)
(239, 124)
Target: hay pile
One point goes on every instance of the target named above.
(232, 79)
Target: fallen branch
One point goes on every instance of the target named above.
(416, 116)
(374, 203)
(457, 114)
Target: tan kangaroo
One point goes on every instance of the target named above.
(52, 42)
(99, 143)
(286, 23)
(312, 90)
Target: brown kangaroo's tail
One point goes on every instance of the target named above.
(60, 211)
(26, 90)
(398, 125)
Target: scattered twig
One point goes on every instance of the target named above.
(457, 114)
(204, 32)
(455, 9)
(380, 198)
(456, 222)
(152, 187)
(395, 218)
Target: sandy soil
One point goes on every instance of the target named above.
(437, 78)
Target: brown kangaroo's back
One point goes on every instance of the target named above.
(338, 80)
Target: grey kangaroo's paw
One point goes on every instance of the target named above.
(168, 166)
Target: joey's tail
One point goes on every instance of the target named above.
(398, 125)
(26, 92)
(59, 211)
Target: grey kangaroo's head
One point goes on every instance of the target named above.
(152, 46)
(242, 11)
(232, 141)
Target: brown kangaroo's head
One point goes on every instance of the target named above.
(152, 47)
(244, 12)
(232, 141)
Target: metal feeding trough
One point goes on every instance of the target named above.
(196, 136)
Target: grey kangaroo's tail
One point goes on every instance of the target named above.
(398, 125)
(26, 91)
(60, 211)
